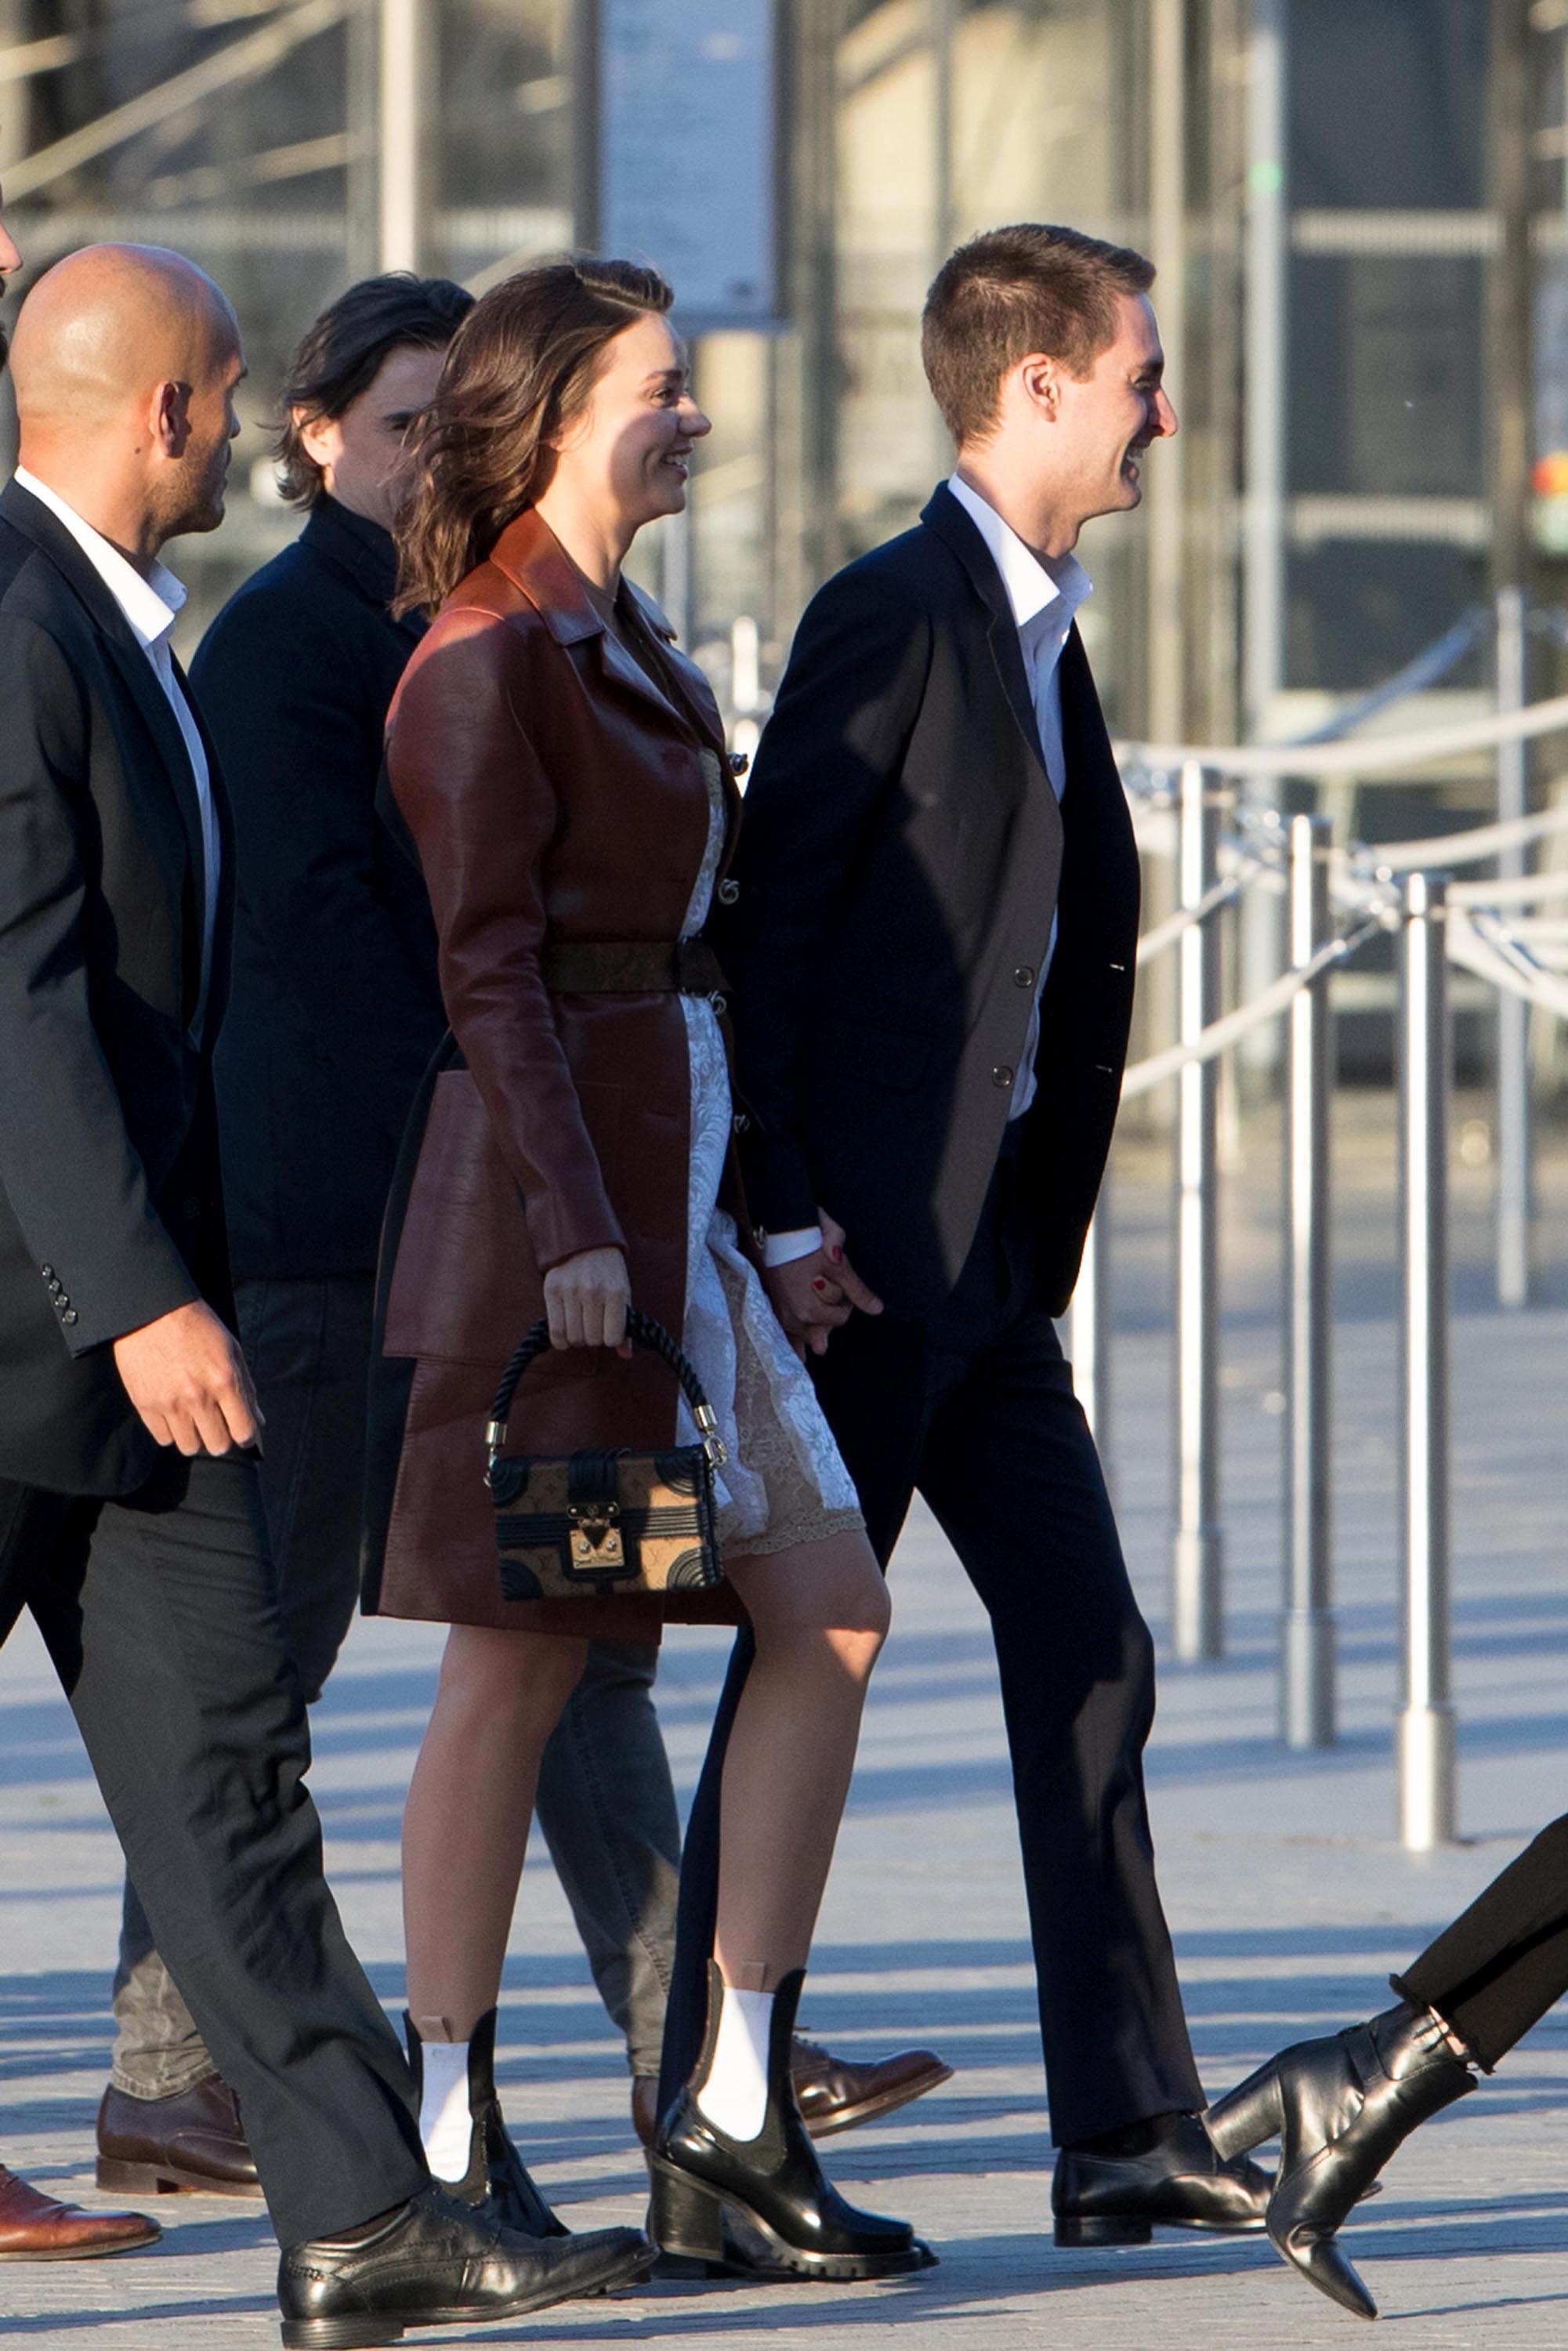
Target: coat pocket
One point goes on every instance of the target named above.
(466, 1284)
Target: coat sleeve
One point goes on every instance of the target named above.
(483, 812)
(295, 738)
(829, 761)
(73, 1177)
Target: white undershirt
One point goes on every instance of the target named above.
(152, 606)
(1045, 598)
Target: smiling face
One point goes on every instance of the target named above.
(628, 455)
(363, 453)
(1106, 420)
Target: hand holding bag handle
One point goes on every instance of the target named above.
(646, 1333)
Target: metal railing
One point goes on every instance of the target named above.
(1336, 901)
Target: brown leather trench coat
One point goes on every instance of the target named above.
(553, 795)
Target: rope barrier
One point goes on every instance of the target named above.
(1221, 1034)
(1379, 754)
(1467, 848)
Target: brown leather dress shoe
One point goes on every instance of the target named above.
(157, 2147)
(833, 2094)
(34, 2228)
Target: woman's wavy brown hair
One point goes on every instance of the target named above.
(521, 366)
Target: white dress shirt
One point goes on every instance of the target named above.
(152, 606)
(1045, 598)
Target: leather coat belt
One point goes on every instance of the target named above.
(632, 967)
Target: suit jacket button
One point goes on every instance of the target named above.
(728, 892)
(190, 1209)
(70, 1315)
(738, 763)
(720, 1004)
(1002, 1077)
(47, 1271)
(1024, 976)
(741, 1122)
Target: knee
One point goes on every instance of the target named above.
(511, 1682)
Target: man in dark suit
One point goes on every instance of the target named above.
(131, 1519)
(932, 943)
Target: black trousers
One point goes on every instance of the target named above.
(1504, 1961)
(976, 1412)
(159, 1614)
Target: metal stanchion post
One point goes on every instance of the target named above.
(1427, 1810)
(1306, 1624)
(1515, 1206)
(1196, 1612)
(1089, 1334)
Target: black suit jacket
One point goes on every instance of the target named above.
(335, 1008)
(110, 1212)
(900, 860)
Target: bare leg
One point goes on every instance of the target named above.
(466, 1826)
(820, 1614)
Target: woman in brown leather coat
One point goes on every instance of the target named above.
(561, 768)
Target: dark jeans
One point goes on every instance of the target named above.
(1504, 1961)
(606, 1801)
(975, 1411)
(160, 1616)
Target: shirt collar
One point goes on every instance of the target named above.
(151, 605)
(1033, 587)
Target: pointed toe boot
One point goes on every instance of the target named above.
(1339, 2108)
(497, 2174)
(762, 2206)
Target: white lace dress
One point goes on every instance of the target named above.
(784, 1483)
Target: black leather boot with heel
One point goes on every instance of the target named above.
(496, 2173)
(1339, 2108)
(762, 2206)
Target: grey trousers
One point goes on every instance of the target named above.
(606, 1801)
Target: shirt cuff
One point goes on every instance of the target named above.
(783, 1248)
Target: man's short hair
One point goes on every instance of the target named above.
(1012, 292)
(342, 355)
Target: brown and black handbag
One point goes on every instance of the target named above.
(601, 1522)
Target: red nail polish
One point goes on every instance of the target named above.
(836, 1255)
(819, 1283)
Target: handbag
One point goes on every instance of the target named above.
(603, 1523)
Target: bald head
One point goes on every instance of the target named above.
(105, 326)
(124, 362)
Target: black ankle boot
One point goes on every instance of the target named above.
(1339, 2109)
(496, 2173)
(762, 2206)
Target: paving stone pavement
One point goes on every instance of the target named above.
(1289, 1899)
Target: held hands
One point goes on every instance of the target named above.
(586, 1299)
(188, 1380)
(814, 1296)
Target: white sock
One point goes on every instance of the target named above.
(734, 2096)
(445, 2124)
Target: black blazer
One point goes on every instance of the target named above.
(110, 1212)
(900, 860)
(335, 1008)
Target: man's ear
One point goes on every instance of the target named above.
(172, 418)
(1040, 379)
(318, 436)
